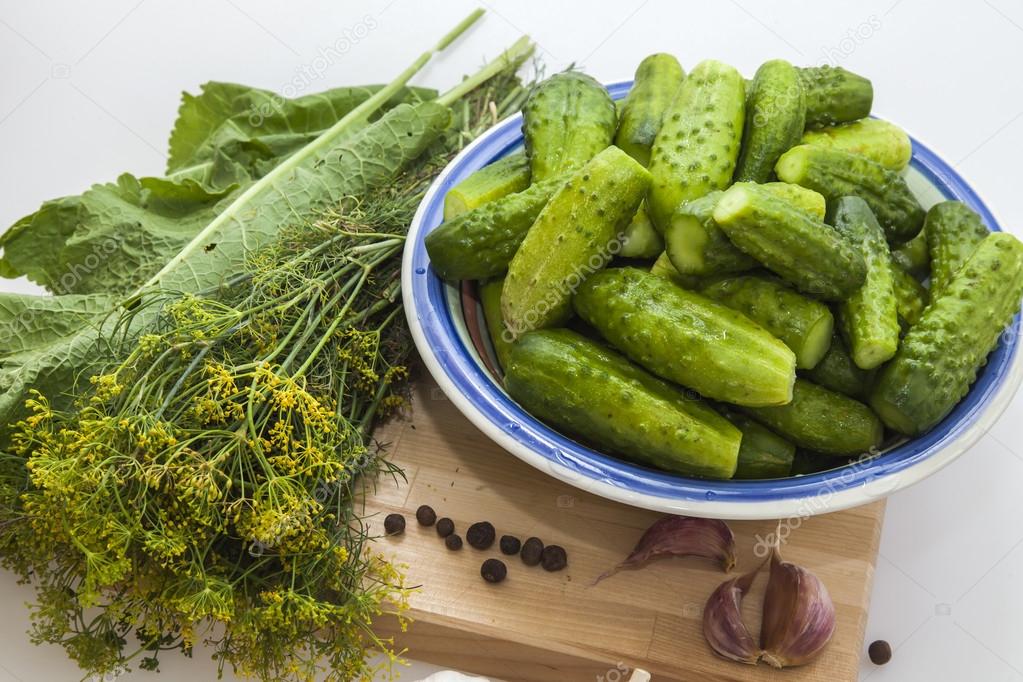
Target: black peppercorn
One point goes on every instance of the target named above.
(426, 516)
(481, 535)
(493, 570)
(510, 545)
(532, 550)
(453, 542)
(394, 524)
(554, 558)
(880, 652)
(445, 527)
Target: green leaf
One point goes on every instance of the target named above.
(113, 237)
(225, 113)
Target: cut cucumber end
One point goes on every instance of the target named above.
(685, 241)
(816, 343)
(733, 204)
(454, 205)
(868, 355)
(792, 165)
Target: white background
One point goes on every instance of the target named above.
(89, 90)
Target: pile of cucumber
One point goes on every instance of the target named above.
(723, 277)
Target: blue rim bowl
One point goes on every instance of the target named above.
(438, 324)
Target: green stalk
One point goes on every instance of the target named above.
(355, 119)
(516, 54)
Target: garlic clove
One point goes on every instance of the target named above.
(723, 626)
(682, 536)
(798, 617)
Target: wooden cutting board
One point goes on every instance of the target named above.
(558, 626)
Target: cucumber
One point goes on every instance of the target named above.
(880, 141)
(834, 95)
(837, 371)
(662, 267)
(641, 239)
(658, 78)
(869, 317)
(836, 174)
(762, 452)
(775, 117)
(810, 462)
(953, 233)
(481, 243)
(582, 387)
(940, 356)
(566, 121)
(802, 324)
(697, 146)
(576, 234)
(490, 300)
(914, 256)
(697, 246)
(687, 338)
(822, 420)
(910, 296)
(501, 178)
(804, 251)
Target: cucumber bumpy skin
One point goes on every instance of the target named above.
(869, 317)
(910, 296)
(567, 120)
(880, 141)
(576, 234)
(481, 243)
(658, 78)
(697, 246)
(687, 338)
(953, 233)
(835, 95)
(803, 251)
(914, 256)
(775, 118)
(836, 174)
(579, 385)
(501, 178)
(940, 356)
(695, 151)
(802, 324)
(822, 420)
(837, 371)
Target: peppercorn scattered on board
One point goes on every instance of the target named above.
(540, 626)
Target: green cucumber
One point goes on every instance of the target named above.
(802, 324)
(762, 453)
(658, 78)
(641, 239)
(914, 256)
(697, 146)
(687, 338)
(575, 235)
(662, 267)
(953, 233)
(490, 301)
(822, 420)
(567, 120)
(940, 356)
(586, 389)
(810, 462)
(834, 95)
(697, 246)
(481, 243)
(501, 178)
(838, 372)
(836, 174)
(775, 117)
(910, 296)
(869, 317)
(880, 141)
(788, 241)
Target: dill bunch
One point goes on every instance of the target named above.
(205, 490)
